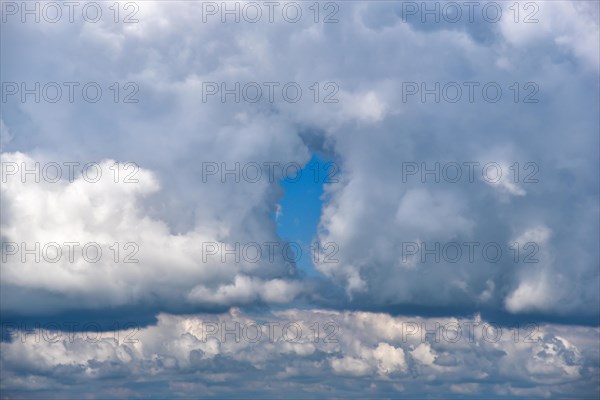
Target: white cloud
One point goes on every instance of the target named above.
(369, 348)
(175, 267)
(570, 26)
(370, 132)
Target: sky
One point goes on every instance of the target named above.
(345, 199)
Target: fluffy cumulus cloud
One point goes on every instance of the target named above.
(293, 350)
(93, 240)
(468, 183)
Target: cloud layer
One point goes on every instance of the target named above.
(308, 354)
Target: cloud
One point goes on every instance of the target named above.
(182, 354)
(571, 26)
(371, 131)
(133, 256)
(541, 133)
